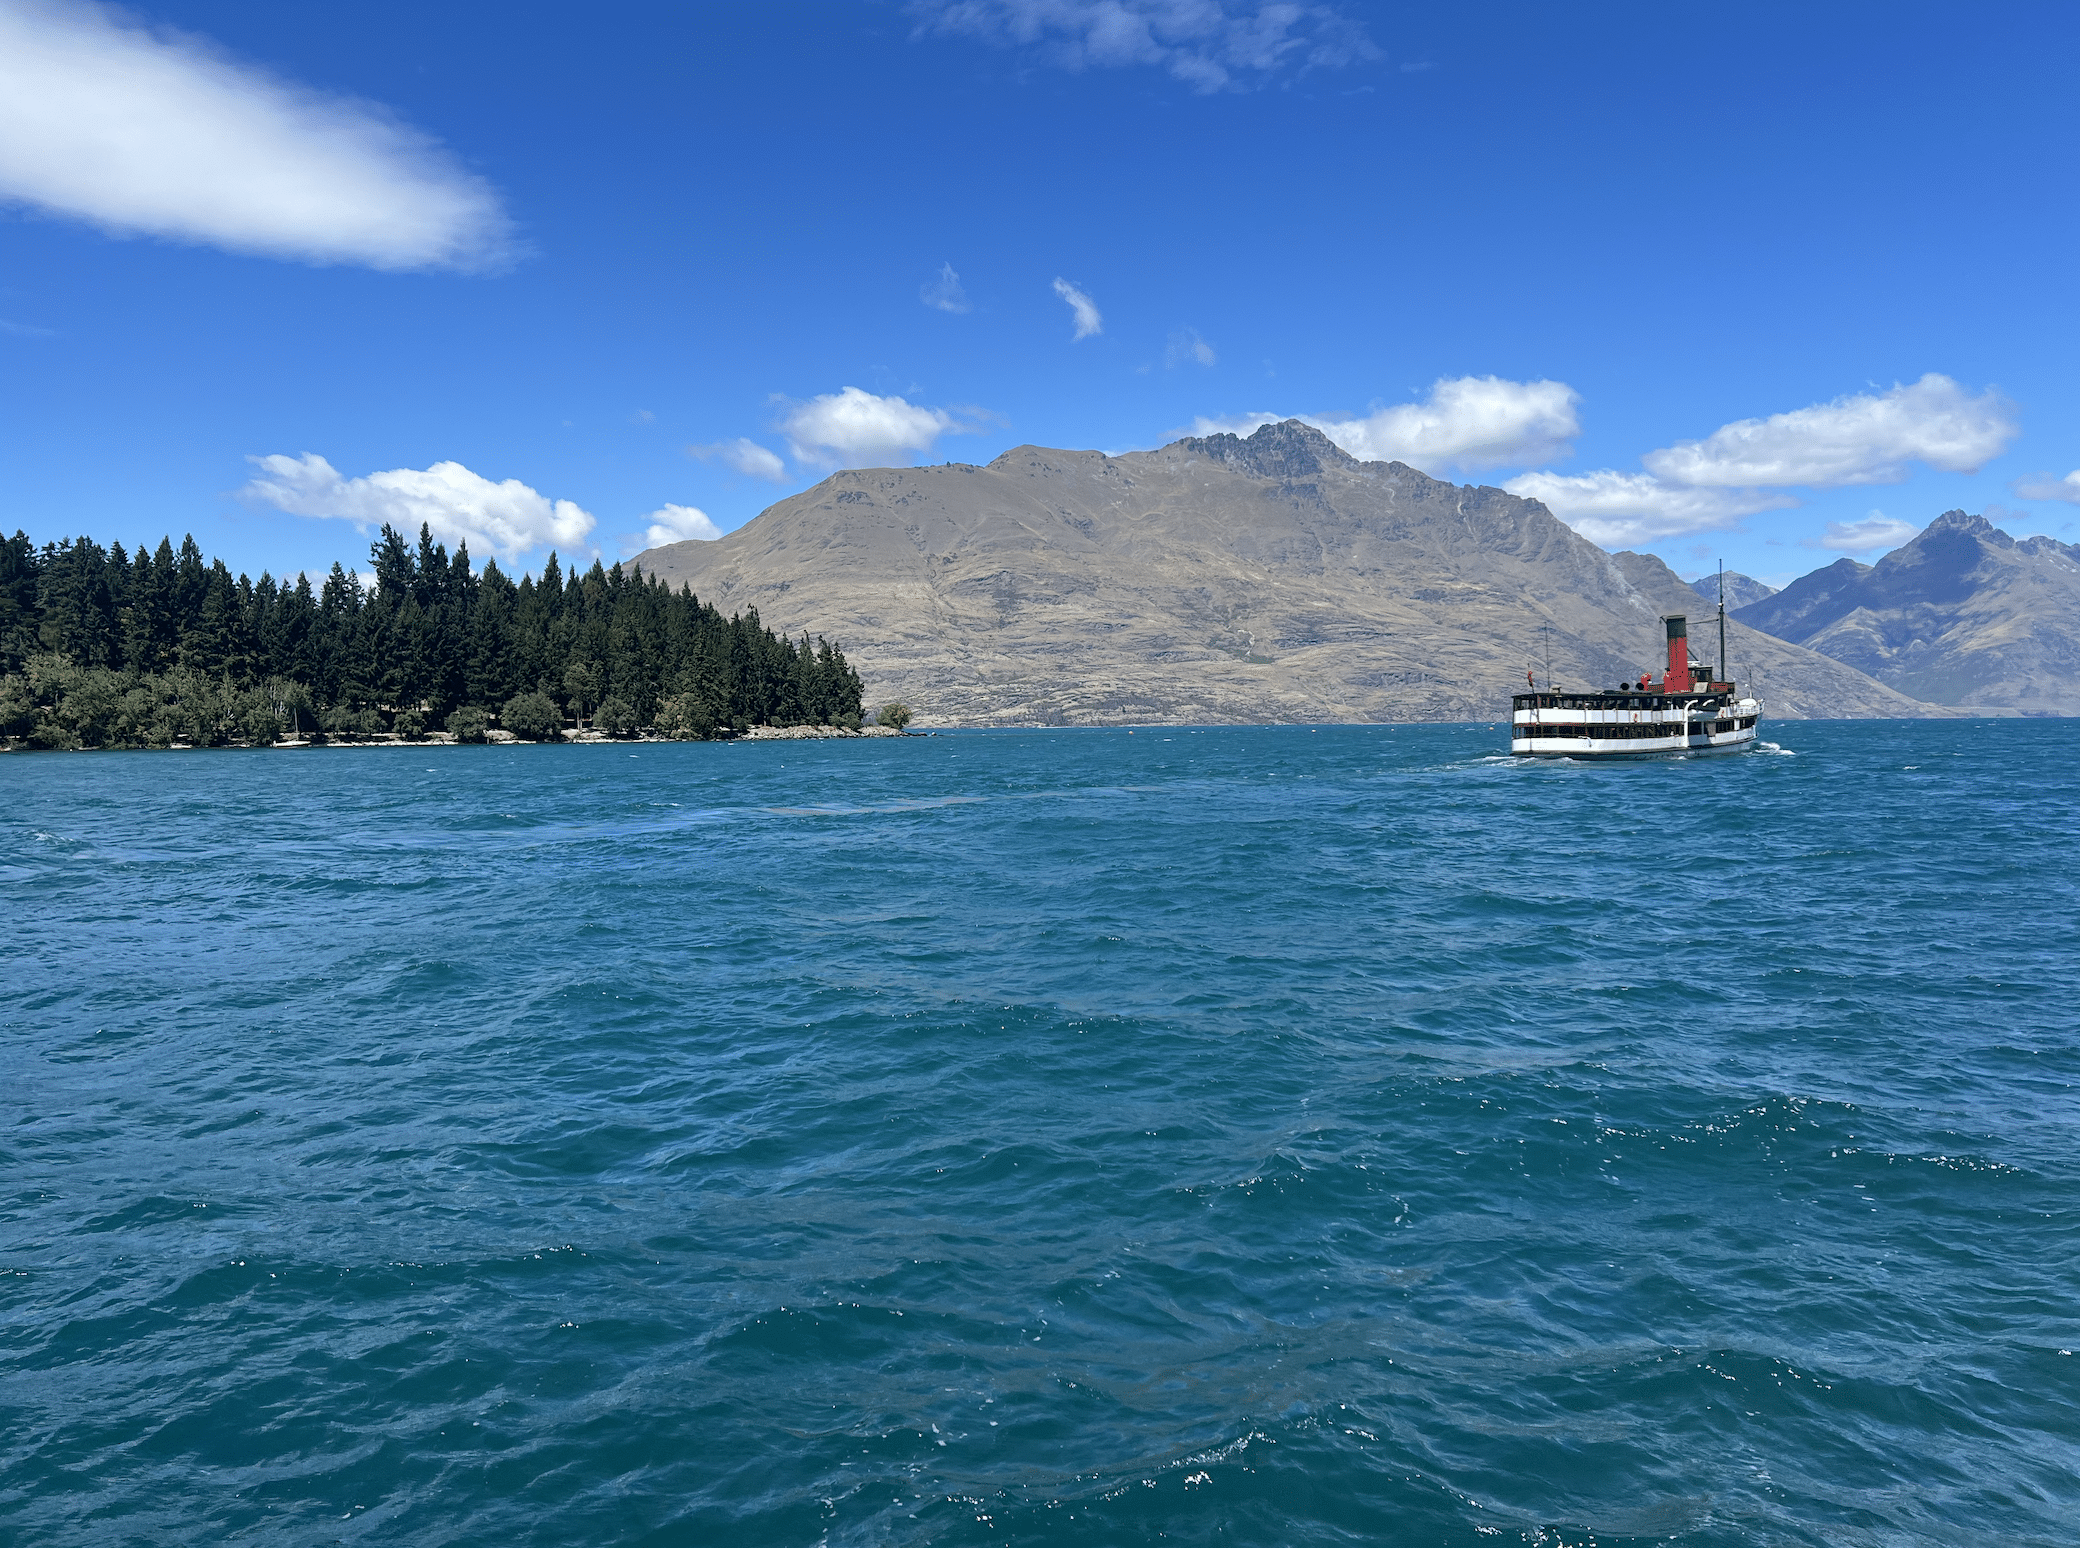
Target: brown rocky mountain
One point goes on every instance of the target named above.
(1217, 579)
(1963, 615)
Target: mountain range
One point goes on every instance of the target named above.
(1217, 579)
(1962, 615)
(1740, 589)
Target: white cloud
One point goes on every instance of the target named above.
(1866, 438)
(945, 292)
(148, 132)
(1466, 422)
(1210, 45)
(1186, 346)
(2044, 486)
(1614, 508)
(856, 429)
(746, 456)
(1859, 537)
(507, 519)
(679, 523)
(1088, 320)
(1239, 424)
(1709, 484)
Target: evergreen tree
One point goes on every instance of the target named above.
(103, 648)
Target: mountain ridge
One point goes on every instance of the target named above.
(1219, 578)
(1741, 590)
(1962, 614)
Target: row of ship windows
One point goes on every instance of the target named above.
(1602, 702)
(1605, 733)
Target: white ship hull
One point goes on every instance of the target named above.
(1659, 727)
(1642, 747)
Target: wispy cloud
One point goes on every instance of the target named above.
(1466, 422)
(507, 518)
(854, 428)
(944, 293)
(680, 524)
(1210, 45)
(2047, 486)
(1875, 531)
(1187, 348)
(1708, 484)
(1088, 318)
(18, 330)
(149, 132)
(1616, 508)
(744, 455)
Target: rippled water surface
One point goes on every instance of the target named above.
(1241, 1136)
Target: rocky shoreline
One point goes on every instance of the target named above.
(497, 738)
(810, 733)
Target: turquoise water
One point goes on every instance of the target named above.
(1241, 1136)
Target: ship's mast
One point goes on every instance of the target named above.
(1548, 628)
(1725, 671)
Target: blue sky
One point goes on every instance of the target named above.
(1761, 283)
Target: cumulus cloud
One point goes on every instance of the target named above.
(1703, 485)
(507, 519)
(2045, 486)
(1614, 508)
(744, 455)
(148, 132)
(945, 292)
(1210, 45)
(1876, 530)
(678, 524)
(855, 429)
(1466, 422)
(1866, 438)
(1186, 347)
(1088, 320)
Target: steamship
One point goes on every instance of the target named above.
(1690, 710)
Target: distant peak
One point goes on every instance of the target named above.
(1287, 449)
(1967, 526)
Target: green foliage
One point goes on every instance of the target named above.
(344, 720)
(896, 715)
(469, 725)
(533, 717)
(260, 724)
(615, 717)
(686, 717)
(409, 724)
(54, 702)
(581, 686)
(188, 652)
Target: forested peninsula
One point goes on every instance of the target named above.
(102, 648)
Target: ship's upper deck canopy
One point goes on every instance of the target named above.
(1620, 698)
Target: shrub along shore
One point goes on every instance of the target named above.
(102, 648)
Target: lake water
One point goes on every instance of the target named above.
(1255, 1136)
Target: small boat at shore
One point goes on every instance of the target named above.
(1690, 710)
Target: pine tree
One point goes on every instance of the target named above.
(109, 648)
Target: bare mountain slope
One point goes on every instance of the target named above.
(1218, 579)
(1964, 615)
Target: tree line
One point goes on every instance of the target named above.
(103, 648)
